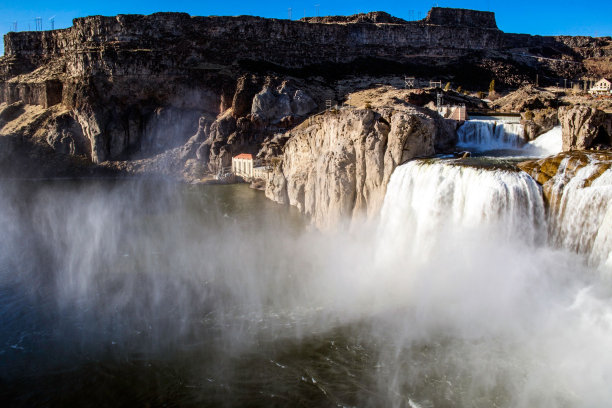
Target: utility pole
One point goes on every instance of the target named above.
(565, 83)
(537, 80)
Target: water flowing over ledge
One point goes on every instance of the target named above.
(427, 199)
(581, 210)
(490, 134)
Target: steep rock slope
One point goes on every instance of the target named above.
(135, 86)
(335, 168)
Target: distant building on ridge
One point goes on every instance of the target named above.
(602, 87)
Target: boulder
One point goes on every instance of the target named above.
(585, 127)
(538, 122)
(302, 104)
(271, 106)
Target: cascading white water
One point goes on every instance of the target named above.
(546, 144)
(481, 134)
(430, 199)
(456, 249)
(581, 219)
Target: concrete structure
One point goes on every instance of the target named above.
(456, 112)
(262, 172)
(602, 87)
(242, 165)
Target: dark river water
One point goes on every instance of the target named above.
(148, 293)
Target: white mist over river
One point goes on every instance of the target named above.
(143, 292)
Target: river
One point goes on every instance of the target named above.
(149, 293)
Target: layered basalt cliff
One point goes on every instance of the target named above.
(135, 86)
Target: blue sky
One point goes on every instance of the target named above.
(519, 16)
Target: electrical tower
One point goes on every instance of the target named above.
(409, 82)
(38, 23)
(52, 22)
(289, 13)
(14, 26)
(317, 9)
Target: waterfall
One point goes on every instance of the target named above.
(546, 144)
(490, 134)
(430, 200)
(581, 211)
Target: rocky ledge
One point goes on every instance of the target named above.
(336, 166)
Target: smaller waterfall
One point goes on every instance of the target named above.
(546, 144)
(581, 217)
(429, 200)
(490, 134)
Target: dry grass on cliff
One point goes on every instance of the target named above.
(377, 97)
(26, 120)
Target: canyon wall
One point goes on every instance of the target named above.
(128, 79)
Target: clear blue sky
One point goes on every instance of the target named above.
(546, 17)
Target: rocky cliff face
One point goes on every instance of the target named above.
(585, 127)
(137, 86)
(336, 167)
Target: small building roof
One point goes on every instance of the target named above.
(244, 156)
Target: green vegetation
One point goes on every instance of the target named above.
(447, 87)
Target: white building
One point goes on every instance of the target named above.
(246, 167)
(601, 87)
(262, 172)
(242, 165)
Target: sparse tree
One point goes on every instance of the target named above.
(459, 89)
(480, 94)
(492, 87)
(447, 87)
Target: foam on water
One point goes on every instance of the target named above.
(547, 144)
(581, 219)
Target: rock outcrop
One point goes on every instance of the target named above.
(538, 122)
(527, 98)
(585, 127)
(336, 167)
(137, 85)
